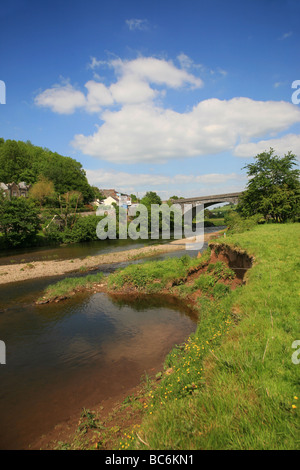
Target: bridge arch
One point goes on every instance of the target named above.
(206, 201)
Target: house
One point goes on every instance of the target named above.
(110, 200)
(125, 200)
(109, 192)
(15, 189)
(112, 196)
(5, 190)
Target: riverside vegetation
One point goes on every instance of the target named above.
(232, 384)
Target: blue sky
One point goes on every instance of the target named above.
(168, 96)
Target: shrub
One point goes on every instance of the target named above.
(19, 222)
(238, 224)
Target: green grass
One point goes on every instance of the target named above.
(153, 275)
(217, 222)
(233, 384)
(70, 284)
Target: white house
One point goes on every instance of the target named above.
(109, 201)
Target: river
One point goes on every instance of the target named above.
(74, 354)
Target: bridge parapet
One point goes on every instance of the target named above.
(208, 200)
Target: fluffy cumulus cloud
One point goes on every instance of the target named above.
(152, 134)
(62, 99)
(281, 146)
(136, 127)
(136, 81)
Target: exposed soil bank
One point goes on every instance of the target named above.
(38, 269)
(236, 259)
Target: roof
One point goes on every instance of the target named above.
(23, 185)
(109, 192)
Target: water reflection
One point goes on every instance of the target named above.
(61, 357)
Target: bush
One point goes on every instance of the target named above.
(83, 230)
(19, 222)
(238, 224)
(54, 234)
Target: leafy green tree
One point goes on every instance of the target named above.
(19, 221)
(68, 207)
(22, 161)
(150, 197)
(273, 189)
(12, 161)
(97, 193)
(134, 198)
(83, 230)
(42, 190)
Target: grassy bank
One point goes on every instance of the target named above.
(68, 286)
(233, 384)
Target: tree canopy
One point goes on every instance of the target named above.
(273, 189)
(19, 221)
(22, 161)
(151, 197)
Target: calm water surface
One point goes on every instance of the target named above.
(66, 356)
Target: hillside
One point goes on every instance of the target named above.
(23, 161)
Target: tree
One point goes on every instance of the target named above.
(273, 189)
(19, 221)
(68, 205)
(42, 190)
(150, 197)
(134, 198)
(23, 161)
(97, 193)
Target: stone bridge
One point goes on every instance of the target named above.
(187, 204)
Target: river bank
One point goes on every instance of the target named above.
(234, 383)
(173, 280)
(37, 269)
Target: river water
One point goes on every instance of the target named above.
(66, 356)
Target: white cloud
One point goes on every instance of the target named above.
(62, 99)
(132, 90)
(132, 86)
(156, 71)
(98, 96)
(289, 142)
(152, 134)
(185, 61)
(137, 24)
(135, 128)
(96, 63)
